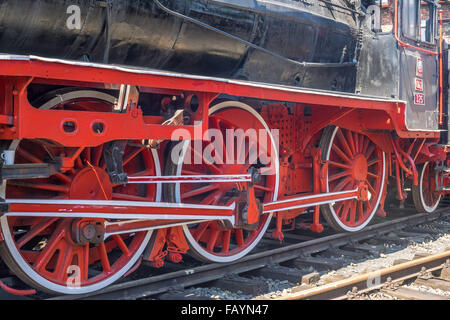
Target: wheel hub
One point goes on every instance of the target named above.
(360, 168)
(91, 183)
(84, 231)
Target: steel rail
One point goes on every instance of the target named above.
(338, 290)
(154, 285)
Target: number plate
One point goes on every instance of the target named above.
(419, 99)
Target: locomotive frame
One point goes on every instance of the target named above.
(95, 178)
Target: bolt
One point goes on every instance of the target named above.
(89, 232)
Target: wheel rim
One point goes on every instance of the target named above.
(211, 241)
(430, 200)
(43, 249)
(353, 158)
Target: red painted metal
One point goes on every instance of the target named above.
(429, 186)
(402, 43)
(133, 125)
(397, 151)
(441, 68)
(157, 255)
(354, 161)
(17, 292)
(176, 244)
(313, 200)
(115, 210)
(215, 237)
(78, 181)
(193, 179)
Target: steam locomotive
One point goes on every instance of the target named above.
(147, 130)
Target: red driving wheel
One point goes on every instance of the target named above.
(213, 241)
(43, 251)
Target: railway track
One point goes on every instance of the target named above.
(295, 261)
(269, 260)
(431, 272)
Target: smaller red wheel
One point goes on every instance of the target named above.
(424, 196)
(352, 159)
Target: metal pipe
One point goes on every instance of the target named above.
(441, 70)
(404, 44)
(412, 163)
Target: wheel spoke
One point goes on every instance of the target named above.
(131, 155)
(360, 210)
(64, 264)
(226, 241)
(49, 250)
(104, 257)
(199, 191)
(200, 230)
(366, 144)
(361, 143)
(213, 199)
(41, 186)
(373, 175)
(34, 231)
(214, 234)
(340, 153)
(338, 207)
(121, 244)
(205, 161)
(225, 156)
(344, 144)
(350, 140)
(370, 151)
(343, 184)
(353, 212)
(356, 140)
(239, 234)
(374, 162)
(338, 176)
(340, 165)
(369, 206)
(128, 197)
(371, 189)
(345, 211)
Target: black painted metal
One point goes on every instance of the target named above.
(306, 43)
